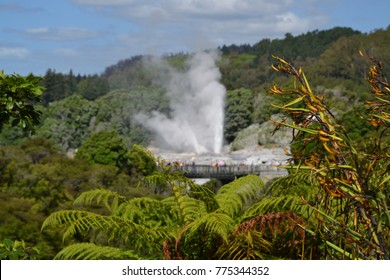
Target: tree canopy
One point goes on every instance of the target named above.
(17, 97)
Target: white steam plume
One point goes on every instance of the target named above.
(197, 108)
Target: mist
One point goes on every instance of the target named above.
(196, 99)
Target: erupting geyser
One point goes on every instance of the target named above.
(196, 99)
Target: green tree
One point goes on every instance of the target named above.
(116, 110)
(238, 112)
(140, 161)
(104, 147)
(68, 122)
(92, 87)
(56, 87)
(17, 97)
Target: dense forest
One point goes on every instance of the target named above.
(76, 181)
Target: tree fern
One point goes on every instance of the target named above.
(216, 223)
(63, 217)
(248, 245)
(204, 194)
(83, 222)
(91, 251)
(200, 238)
(105, 197)
(164, 178)
(148, 211)
(287, 193)
(276, 204)
(296, 183)
(232, 197)
(189, 208)
(284, 230)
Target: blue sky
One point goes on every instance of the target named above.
(89, 35)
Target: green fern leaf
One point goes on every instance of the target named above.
(91, 251)
(232, 197)
(216, 223)
(189, 208)
(291, 203)
(148, 211)
(84, 222)
(204, 194)
(300, 184)
(106, 197)
(248, 245)
(63, 217)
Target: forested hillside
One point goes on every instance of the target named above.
(75, 106)
(83, 186)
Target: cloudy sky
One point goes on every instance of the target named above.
(89, 35)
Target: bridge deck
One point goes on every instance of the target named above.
(228, 171)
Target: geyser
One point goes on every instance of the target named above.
(196, 99)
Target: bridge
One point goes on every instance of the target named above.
(229, 172)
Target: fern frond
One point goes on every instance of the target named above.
(189, 208)
(91, 251)
(291, 203)
(232, 197)
(115, 227)
(155, 180)
(275, 221)
(248, 245)
(299, 183)
(215, 223)
(148, 211)
(283, 229)
(106, 197)
(204, 194)
(63, 217)
(170, 202)
(165, 178)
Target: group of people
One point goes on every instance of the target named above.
(215, 163)
(218, 163)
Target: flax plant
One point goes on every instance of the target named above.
(351, 208)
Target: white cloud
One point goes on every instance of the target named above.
(7, 52)
(194, 6)
(220, 21)
(171, 10)
(61, 34)
(131, 27)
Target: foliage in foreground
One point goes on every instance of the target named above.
(352, 205)
(17, 250)
(37, 179)
(17, 97)
(193, 223)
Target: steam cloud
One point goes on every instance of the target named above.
(197, 109)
